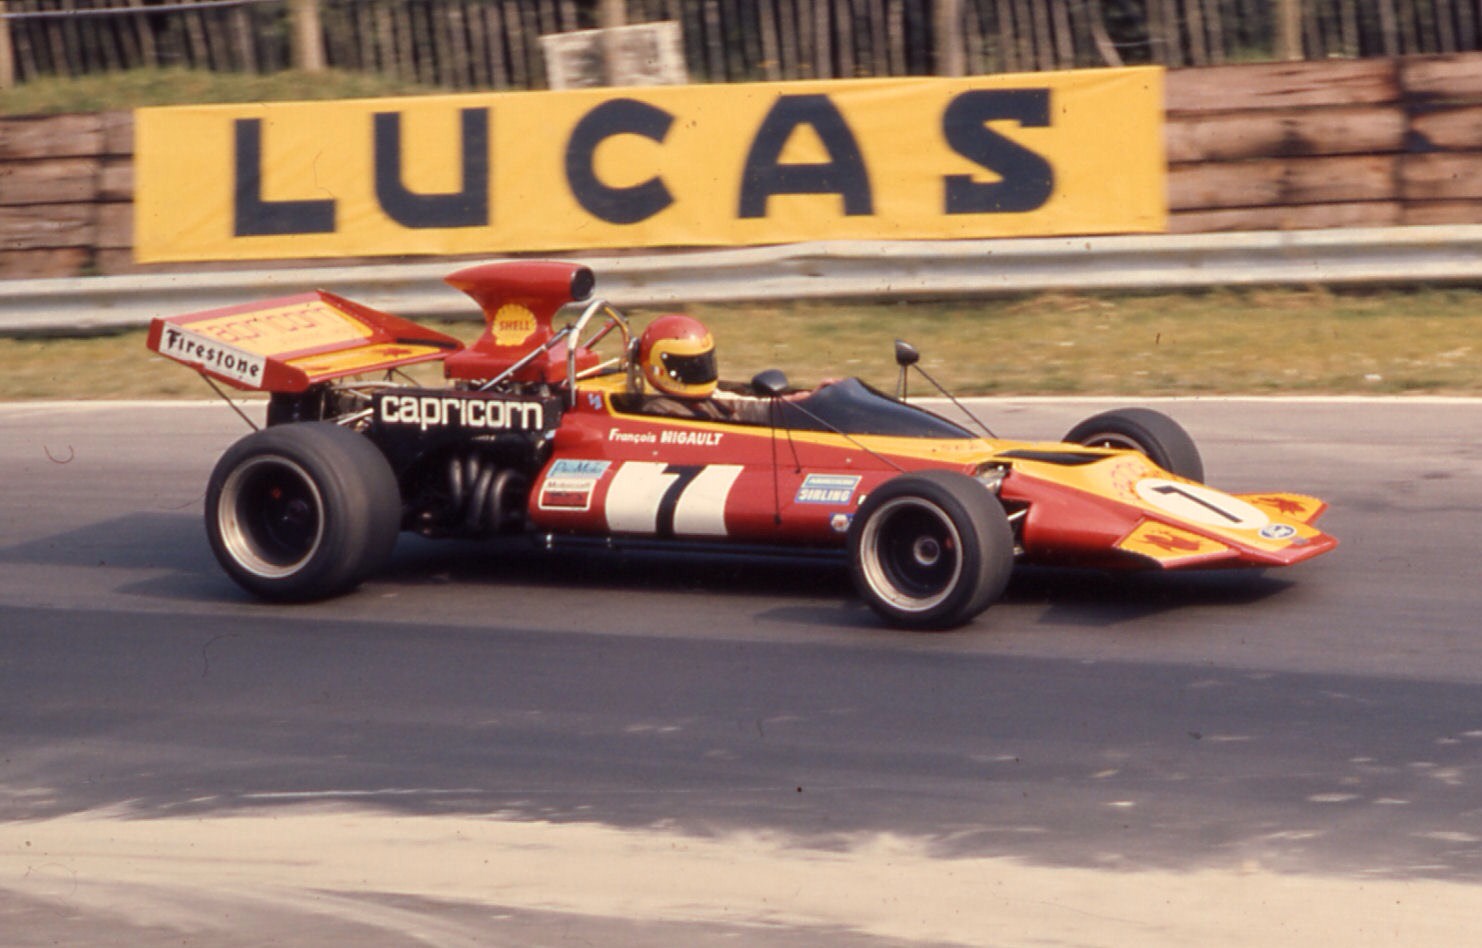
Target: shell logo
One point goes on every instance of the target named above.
(512, 324)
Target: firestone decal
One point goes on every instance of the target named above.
(448, 411)
(224, 360)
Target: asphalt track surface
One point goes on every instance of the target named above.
(1320, 725)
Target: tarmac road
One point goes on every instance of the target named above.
(487, 746)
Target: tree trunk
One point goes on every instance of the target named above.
(7, 54)
(308, 36)
(946, 28)
(1289, 29)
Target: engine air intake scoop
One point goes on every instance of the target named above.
(519, 299)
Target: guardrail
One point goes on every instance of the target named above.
(833, 270)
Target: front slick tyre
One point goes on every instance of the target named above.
(302, 511)
(1146, 431)
(930, 550)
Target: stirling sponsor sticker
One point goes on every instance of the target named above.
(826, 489)
(217, 357)
(433, 410)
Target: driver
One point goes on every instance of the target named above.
(676, 356)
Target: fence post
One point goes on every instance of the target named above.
(7, 55)
(308, 36)
(1289, 30)
(947, 38)
(613, 13)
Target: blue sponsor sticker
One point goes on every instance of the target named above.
(578, 467)
(827, 489)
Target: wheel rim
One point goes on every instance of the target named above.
(1109, 439)
(270, 516)
(911, 554)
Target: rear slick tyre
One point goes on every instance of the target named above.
(302, 511)
(930, 550)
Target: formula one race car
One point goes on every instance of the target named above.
(590, 431)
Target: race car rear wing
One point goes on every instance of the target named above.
(293, 342)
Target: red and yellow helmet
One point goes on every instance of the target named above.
(677, 356)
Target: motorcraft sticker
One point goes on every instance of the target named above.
(217, 357)
(827, 489)
(425, 410)
(570, 483)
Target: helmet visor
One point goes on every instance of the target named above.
(689, 369)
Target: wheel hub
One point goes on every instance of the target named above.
(926, 551)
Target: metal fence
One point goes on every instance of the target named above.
(495, 43)
(832, 270)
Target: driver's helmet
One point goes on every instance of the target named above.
(677, 356)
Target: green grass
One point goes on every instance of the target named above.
(1260, 342)
(1391, 341)
(145, 87)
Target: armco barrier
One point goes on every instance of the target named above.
(833, 270)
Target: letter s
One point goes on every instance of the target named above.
(1028, 179)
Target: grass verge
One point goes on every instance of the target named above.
(1260, 342)
(136, 88)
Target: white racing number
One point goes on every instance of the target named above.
(1196, 503)
(669, 500)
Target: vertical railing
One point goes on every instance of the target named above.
(495, 43)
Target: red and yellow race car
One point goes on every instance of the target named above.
(593, 430)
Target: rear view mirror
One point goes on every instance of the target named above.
(771, 383)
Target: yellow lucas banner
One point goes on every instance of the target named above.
(917, 158)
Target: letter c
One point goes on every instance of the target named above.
(615, 117)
